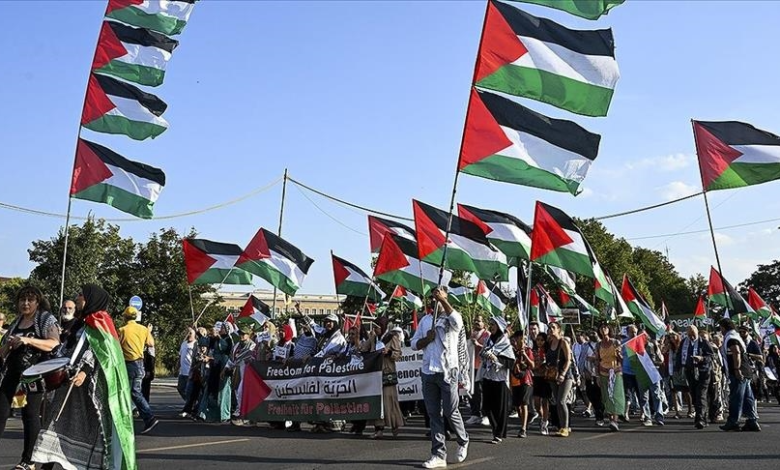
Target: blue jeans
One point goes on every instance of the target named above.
(135, 372)
(741, 400)
(654, 402)
(181, 386)
(442, 396)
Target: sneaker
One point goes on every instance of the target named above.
(564, 432)
(522, 434)
(496, 440)
(237, 422)
(613, 426)
(513, 414)
(691, 414)
(294, 427)
(751, 426)
(485, 421)
(473, 420)
(647, 423)
(601, 423)
(658, 422)
(730, 427)
(623, 418)
(154, 422)
(184, 414)
(699, 425)
(463, 452)
(533, 418)
(587, 414)
(544, 429)
(435, 462)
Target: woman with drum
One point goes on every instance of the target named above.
(30, 338)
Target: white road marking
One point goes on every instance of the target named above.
(189, 446)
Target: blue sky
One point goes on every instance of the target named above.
(366, 101)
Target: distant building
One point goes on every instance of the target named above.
(314, 305)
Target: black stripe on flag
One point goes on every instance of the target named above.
(142, 37)
(408, 247)
(595, 42)
(739, 133)
(564, 134)
(393, 224)
(141, 170)
(114, 87)
(488, 216)
(351, 266)
(459, 226)
(288, 250)
(496, 289)
(215, 248)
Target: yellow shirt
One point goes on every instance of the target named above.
(133, 337)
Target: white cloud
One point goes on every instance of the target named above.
(723, 240)
(671, 162)
(676, 190)
(586, 193)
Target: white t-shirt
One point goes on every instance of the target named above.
(185, 357)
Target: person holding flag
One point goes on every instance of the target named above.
(609, 357)
(697, 361)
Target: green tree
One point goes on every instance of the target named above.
(8, 291)
(662, 281)
(766, 282)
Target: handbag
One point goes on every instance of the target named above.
(550, 373)
(389, 378)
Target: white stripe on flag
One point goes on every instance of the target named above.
(528, 148)
(131, 183)
(476, 250)
(550, 57)
(133, 110)
(757, 153)
(508, 233)
(223, 261)
(285, 266)
(146, 56)
(178, 10)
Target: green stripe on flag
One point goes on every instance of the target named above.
(136, 130)
(156, 22)
(140, 74)
(118, 198)
(516, 171)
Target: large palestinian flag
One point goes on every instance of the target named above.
(351, 280)
(558, 242)
(276, 260)
(640, 308)
(115, 107)
(164, 16)
(210, 262)
(505, 141)
(468, 247)
(255, 311)
(491, 298)
(408, 300)
(133, 54)
(508, 233)
(734, 154)
(102, 175)
(588, 9)
(536, 58)
(721, 293)
(646, 372)
(758, 304)
(378, 228)
(398, 263)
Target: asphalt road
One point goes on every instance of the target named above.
(180, 443)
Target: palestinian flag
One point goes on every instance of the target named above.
(378, 228)
(734, 154)
(552, 311)
(468, 247)
(556, 241)
(210, 262)
(164, 16)
(115, 107)
(701, 309)
(562, 278)
(640, 308)
(276, 260)
(664, 312)
(102, 175)
(536, 58)
(407, 298)
(351, 280)
(506, 232)
(588, 9)
(620, 309)
(104, 342)
(574, 300)
(602, 288)
(491, 298)
(398, 263)
(255, 311)
(534, 305)
(459, 294)
(757, 303)
(133, 54)
(641, 363)
(721, 293)
(505, 141)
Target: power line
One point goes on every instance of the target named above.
(327, 214)
(727, 227)
(647, 208)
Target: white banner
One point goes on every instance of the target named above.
(409, 368)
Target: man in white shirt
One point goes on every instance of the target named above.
(185, 362)
(437, 337)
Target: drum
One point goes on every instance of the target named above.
(50, 374)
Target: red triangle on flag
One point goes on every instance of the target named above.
(700, 311)
(88, 170)
(96, 102)
(195, 261)
(340, 273)
(716, 283)
(638, 344)
(499, 45)
(547, 235)
(256, 250)
(429, 237)
(254, 391)
(483, 136)
(391, 258)
(465, 214)
(109, 47)
(715, 156)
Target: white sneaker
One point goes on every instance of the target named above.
(485, 421)
(513, 414)
(543, 429)
(463, 452)
(533, 418)
(473, 420)
(435, 462)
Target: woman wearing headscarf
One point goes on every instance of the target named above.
(28, 341)
(217, 398)
(391, 352)
(498, 358)
(93, 427)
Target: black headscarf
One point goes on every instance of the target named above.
(95, 299)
